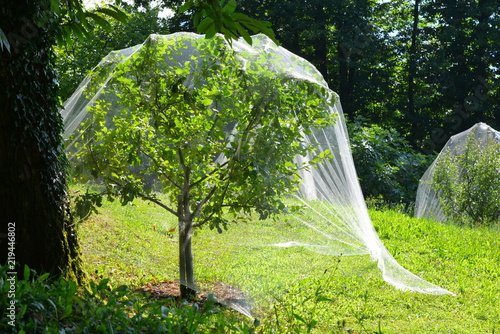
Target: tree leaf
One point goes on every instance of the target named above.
(185, 7)
(244, 33)
(4, 41)
(100, 20)
(255, 25)
(207, 102)
(113, 12)
(55, 6)
(78, 30)
(230, 7)
(205, 25)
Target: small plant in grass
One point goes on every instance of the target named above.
(468, 184)
(219, 140)
(298, 312)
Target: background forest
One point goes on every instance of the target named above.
(410, 74)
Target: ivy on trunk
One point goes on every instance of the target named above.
(32, 164)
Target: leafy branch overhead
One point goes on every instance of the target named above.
(67, 18)
(76, 21)
(213, 16)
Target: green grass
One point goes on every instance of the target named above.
(293, 290)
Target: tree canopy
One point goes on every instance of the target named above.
(214, 129)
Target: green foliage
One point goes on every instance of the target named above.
(387, 166)
(299, 311)
(74, 20)
(67, 19)
(75, 60)
(44, 306)
(468, 184)
(180, 134)
(215, 16)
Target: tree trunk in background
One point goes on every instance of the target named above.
(412, 68)
(346, 77)
(33, 190)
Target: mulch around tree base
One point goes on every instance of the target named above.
(226, 295)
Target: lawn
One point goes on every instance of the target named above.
(294, 290)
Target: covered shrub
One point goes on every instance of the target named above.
(463, 184)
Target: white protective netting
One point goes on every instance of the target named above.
(427, 204)
(337, 211)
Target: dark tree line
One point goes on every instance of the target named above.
(429, 69)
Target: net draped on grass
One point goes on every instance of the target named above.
(334, 219)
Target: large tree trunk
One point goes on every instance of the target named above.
(33, 190)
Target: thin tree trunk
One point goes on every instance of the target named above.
(343, 56)
(186, 261)
(412, 68)
(185, 248)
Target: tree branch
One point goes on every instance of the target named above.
(158, 166)
(140, 194)
(157, 202)
(203, 178)
(200, 205)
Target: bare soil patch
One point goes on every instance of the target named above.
(226, 295)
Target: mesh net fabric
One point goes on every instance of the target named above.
(339, 213)
(427, 204)
(336, 217)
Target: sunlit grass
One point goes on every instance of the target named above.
(136, 244)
